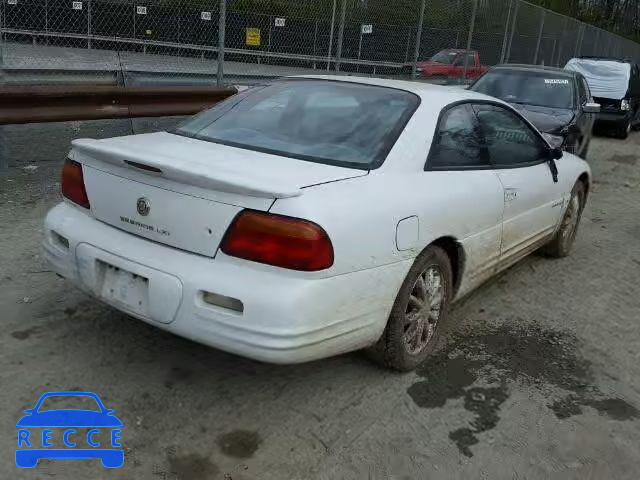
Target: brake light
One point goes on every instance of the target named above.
(278, 240)
(73, 183)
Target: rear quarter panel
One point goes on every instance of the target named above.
(361, 215)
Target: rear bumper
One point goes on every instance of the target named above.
(287, 317)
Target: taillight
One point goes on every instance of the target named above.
(73, 183)
(278, 240)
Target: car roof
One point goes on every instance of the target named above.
(535, 68)
(604, 59)
(432, 95)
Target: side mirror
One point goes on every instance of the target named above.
(555, 153)
(591, 107)
(555, 141)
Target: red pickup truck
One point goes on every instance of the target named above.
(450, 64)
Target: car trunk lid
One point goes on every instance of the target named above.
(185, 192)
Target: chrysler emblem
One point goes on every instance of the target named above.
(144, 206)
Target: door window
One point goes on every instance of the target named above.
(457, 143)
(509, 140)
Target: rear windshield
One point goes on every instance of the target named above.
(543, 89)
(337, 123)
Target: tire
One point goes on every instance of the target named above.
(564, 239)
(397, 348)
(624, 130)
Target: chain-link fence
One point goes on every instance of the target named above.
(186, 40)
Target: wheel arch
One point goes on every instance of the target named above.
(585, 178)
(455, 251)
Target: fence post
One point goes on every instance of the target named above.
(513, 30)
(359, 51)
(89, 25)
(506, 33)
(472, 26)
(576, 52)
(222, 26)
(343, 15)
(416, 53)
(540, 31)
(333, 25)
(271, 20)
(560, 43)
(315, 42)
(406, 51)
(4, 165)
(1, 43)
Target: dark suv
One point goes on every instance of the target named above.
(615, 85)
(557, 102)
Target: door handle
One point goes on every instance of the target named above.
(510, 194)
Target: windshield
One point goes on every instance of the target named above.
(544, 89)
(330, 122)
(444, 57)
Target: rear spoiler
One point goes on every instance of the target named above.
(166, 167)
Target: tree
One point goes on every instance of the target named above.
(619, 16)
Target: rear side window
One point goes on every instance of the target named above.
(457, 143)
(337, 123)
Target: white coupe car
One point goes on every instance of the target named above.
(314, 216)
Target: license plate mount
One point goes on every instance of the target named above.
(124, 288)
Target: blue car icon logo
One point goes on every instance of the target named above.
(82, 433)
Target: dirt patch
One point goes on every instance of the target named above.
(176, 375)
(239, 443)
(192, 467)
(25, 334)
(614, 408)
(508, 354)
(624, 159)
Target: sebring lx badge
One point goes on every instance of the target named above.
(143, 205)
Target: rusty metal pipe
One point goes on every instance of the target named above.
(59, 103)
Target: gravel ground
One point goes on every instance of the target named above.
(538, 376)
